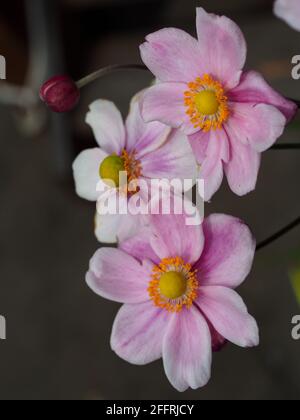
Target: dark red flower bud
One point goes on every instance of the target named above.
(60, 93)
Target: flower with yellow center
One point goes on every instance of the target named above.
(112, 167)
(174, 285)
(207, 104)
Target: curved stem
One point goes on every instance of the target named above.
(286, 146)
(278, 234)
(107, 70)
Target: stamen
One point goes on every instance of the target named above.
(133, 168)
(207, 104)
(113, 165)
(174, 285)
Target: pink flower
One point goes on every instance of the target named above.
(145, 151)
(176, 283)
(289, 11)
(230, 116)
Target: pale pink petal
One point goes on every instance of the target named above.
(117, 276)
(289, 11)
(243, 167)
(187, 350)
(228, 314)
(138, 332)
(86, 173)
(254, 89)
(111, 202)
(256, 125)
(173, 56)
(143, 137)
(228, 253)
(172, 237)
(139, 246)
(173, 160)
(216, 152)
(107, 227)
(212, 174)
(112, 228)
(223, 47)
(131, 226)
(199, 142)
(106, 121)
(164, 102)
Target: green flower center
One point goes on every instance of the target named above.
(110, 169)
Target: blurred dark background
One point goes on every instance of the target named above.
(58, 331)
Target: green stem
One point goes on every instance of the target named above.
(286, 146)
(107, 70)
(278, 234)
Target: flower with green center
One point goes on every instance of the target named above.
(139, 152)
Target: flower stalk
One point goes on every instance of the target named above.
(62, 94)
(286, 146)
(107, 70)
(278, 234)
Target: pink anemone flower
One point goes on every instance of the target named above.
(230, 116)
(144, 151)
(176, 283)
(289, 11)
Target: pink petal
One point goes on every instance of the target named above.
(216, 152)
(257, 125)
(254, 89)
(164, 102)
(187, 352)
(131, 226)
(173, 160)
(212, 173)
(200, 142)
(228, 253)
(243, 167)
(143, 138)
(138, 333)
(111, 228)
(139, 246)
(173, 56)
(223, 47)
(108, 127)
(228, 314)
(117, 276)
(86, 173)
(110, 203)
(172, 237)
(289, 11)
(107, 227)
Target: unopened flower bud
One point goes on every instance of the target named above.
(60, 93)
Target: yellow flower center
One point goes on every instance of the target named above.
(207, 104)
(112, 166)
(173, 285)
